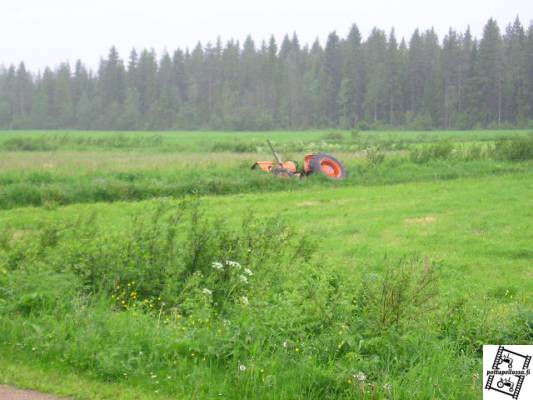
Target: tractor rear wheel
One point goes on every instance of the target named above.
(328, 166)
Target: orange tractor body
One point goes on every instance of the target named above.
(267, 166)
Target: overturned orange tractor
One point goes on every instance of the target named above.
(320, 163)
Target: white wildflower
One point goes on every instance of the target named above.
(285, 344)
(242, 367)
(244, 300)
(243, 279)
(248, 271)
(233, 264)
(360, 377)
(217, 265)
(207, 291)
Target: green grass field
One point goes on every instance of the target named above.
(158, 265)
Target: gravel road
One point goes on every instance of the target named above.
(11, 393)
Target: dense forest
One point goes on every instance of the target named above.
(460, 82)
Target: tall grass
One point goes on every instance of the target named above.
(183, 304)
(52, 188)
(54, 142)
(518, 148)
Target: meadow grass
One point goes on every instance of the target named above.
(476, 224)
(314, 338)
(382, 286)
(52, 179)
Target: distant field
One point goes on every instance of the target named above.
(56, 168)
(383, 286)
(199, 141)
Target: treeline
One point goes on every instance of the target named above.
(459, 83)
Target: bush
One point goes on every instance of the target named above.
(437, 151)
(401, 294)
(515, 149)
(167, 257)
(374, 156)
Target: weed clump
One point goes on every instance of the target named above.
(374, 156)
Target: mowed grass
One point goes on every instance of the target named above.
(481, 228)
(477, 232)
(384, 286)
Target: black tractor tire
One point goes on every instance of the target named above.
(317, 162)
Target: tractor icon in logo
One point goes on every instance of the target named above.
(506, 358)
(506, 382)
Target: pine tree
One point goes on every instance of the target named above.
(393, 63)
(528, 75)
(64, 105)
(332, 77)
(513, 73)
(353, 86)
(23, 98)
(490, 64)
(451, 67)
(376, 70)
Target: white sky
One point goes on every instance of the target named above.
(46, 32)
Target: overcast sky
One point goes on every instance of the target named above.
(47, 32)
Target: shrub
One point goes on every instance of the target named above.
(401, 294)
(441, 150)
(374, 156)
(167, 253)
(515, 149)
